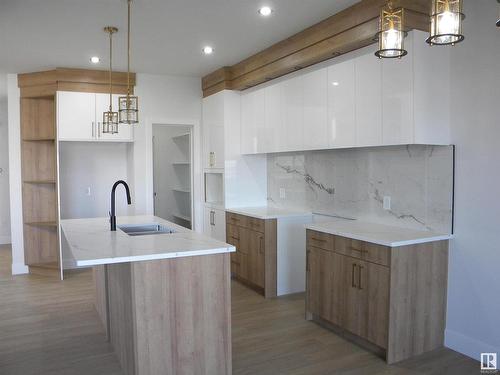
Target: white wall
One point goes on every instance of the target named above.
(165, 100)
(97, 166)
(4, 169)
(473, 324)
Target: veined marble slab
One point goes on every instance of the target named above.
(89, 242)
(268, 212)
(380, 234)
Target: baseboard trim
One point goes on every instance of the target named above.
(5, 240)
(466, 345)
(20, 269)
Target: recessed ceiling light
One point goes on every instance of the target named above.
(95, 60)
(207, 50)
(335, 83)
(265, 11)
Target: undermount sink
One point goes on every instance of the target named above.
(145, 229)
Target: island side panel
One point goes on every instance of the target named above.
(419, 277)
(101, 296)
(183, 315)
(121, 315)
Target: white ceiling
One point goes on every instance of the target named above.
(167, 35)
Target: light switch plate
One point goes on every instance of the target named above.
(387, 203)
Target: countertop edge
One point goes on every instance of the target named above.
(243, 212)
(354, 236)
(160, 256)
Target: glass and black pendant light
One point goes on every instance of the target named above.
(446, 22)
(391, 33)
(129, 104)
(498, 21)
(110, 118)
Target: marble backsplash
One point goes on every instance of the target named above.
(353, 183)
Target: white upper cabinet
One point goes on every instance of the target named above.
(315, 99)
(368, 100)
(213, 131)
(359, 102)
(292, 105)
(397, 98)
(125, 131)
(80, 115)
(76, 116)
(341, 105)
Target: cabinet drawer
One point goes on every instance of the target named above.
(363, 250)
(236, 219)
(257, 225)
(320, 240)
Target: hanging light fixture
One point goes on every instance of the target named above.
(129, 104)
(498, 21)
(110, 118)
(391, 33)
(446, 22)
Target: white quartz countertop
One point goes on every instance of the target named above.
(91, 242)
(377, 233)
(267, 212)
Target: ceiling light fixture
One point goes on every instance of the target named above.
(110, 118)
(446, 22)
(391, 33)
(498, 22)
(265, 11)
(95, 60)
(129, 104)
(207, 50)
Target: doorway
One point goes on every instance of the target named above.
(173, 173)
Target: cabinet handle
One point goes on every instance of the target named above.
(353, 282)
(359, 278)
(235, 238)
(318, 239)
(358, 250)
(93, 129)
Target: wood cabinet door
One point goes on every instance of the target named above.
(324, 284)
(256, 258)
(366, 303)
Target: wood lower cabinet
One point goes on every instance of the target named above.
(255, 259)
(393, 299)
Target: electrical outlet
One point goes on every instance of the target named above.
(387, 203)
(282, 193)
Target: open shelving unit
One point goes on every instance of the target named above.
(39, 188)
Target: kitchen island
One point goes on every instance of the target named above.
(162, 292)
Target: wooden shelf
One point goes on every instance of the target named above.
(38, 139)
(181, 136)
(48, 182)
(42, 223)
(182, 217)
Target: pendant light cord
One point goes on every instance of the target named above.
(111, 71)
(128, 55)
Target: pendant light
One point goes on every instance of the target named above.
(110, 118)
(391, 33)
(498, 21)
(128, 105)
(446, 22)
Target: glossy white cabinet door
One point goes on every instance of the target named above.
(397, 99)
(293, 113)
(125, 132)
(76, 116)
(213, 131)
(215, 223)
(207, 221)
(315, 99)
(253, 122)
(275, 140)
(368, 100)
(342, 105)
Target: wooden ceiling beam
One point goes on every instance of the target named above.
(346, 31)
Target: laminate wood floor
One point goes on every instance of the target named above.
(49, 327)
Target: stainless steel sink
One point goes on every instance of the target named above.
(145, 229)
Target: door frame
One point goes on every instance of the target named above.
(196, 185)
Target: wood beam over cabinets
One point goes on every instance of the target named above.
(349, 30)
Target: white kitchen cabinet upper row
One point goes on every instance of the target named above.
(79, 117)
(213, 131)
(359, 102)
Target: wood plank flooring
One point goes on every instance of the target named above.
(49, 327)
